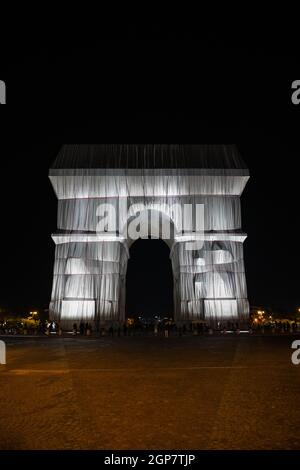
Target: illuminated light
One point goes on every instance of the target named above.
(199, 261)
(211, 237)
(87, 183)
(78, 309)
(225, 308)
(81, 238)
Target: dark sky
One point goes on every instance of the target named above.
(150, 91)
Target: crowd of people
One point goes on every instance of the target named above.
(20, 328)
(147, 329)
(277, 327)
(183, 329)
(84, 329)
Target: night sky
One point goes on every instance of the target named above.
(156, 91)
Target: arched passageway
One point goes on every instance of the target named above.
(149, 279)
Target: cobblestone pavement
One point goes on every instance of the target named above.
(153, 393)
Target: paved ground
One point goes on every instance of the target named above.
(154, 393)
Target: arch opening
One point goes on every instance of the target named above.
(149, 280)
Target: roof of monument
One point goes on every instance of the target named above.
(149, 156)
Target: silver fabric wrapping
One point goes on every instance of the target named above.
(90, 271)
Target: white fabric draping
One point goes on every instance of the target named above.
(220, 213)
(88, 274)
(89, 184)
(123, 181)
(215, 272)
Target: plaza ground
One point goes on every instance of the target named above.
(232, 392)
